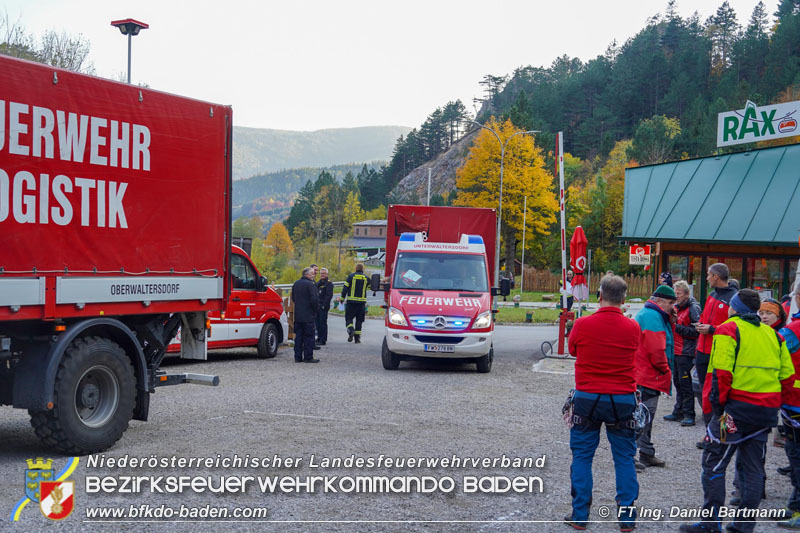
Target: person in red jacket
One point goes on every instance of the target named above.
(654, 360)
(715, 312)
(604, 345)
(790, 416)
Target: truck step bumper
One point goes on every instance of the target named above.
(164, 380)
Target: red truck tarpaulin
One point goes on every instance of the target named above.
(577, 262)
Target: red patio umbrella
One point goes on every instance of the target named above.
(577, 262)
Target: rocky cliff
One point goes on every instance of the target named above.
(443, 173)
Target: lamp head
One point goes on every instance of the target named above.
(129, 26)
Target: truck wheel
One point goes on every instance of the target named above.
(268, 342)
(484, 363)
(95, 392)
(389, 359)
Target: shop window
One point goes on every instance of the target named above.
(687, 268)
(679, 267)
(765, 275)
(735, 265)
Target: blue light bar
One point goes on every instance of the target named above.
(458, 323)
(407, 237)
(420, 321)
(475, 239)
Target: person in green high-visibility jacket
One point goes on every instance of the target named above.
(354, 294)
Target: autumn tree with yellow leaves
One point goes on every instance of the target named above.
(278, 239)
(524, 174)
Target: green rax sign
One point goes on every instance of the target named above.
(754, 123)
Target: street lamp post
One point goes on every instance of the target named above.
(500, 203)
(524, 220)
(130, 28)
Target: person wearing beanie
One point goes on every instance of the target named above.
(772, 314)
(749, 373)
(790, 417)
(665, 278)
(654, 362)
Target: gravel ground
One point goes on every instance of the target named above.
(348, 404)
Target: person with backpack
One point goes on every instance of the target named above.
(749, 370)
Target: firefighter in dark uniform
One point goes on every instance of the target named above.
(354, 294)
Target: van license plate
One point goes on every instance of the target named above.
(445, 348)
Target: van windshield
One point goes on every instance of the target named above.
(440, 271)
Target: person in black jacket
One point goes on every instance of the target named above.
(354, 293)
(685, 344)
(306, 305)
(325, 291)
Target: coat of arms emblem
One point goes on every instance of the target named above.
(57, 501)
(38, 470)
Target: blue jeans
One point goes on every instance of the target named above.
(597, 409)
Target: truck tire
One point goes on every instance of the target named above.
(268, 342)
(93, 401)
(390, 360)
(484, 363)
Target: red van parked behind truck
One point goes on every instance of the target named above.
(254, 315)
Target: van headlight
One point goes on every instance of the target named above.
(484, 320)
(396, 317)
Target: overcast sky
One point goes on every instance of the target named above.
(314, 64)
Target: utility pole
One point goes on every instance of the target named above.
(524, 215)
(429, 186)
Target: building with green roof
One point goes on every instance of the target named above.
(742, 209)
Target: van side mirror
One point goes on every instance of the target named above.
(262, 284)
(375, 283)
(505, 287)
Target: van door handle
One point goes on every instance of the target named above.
(235, 299)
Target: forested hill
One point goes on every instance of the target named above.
(684, 68)
(271, 195)
(651, 99)
(258, 151)
(682, 71)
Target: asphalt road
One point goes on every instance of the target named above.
(349, 405)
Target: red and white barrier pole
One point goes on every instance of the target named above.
(561, 200)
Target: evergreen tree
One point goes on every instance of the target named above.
(723, 29)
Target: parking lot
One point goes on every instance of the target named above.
(348, 405)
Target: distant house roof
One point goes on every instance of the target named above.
(371, 223)
(744, 198)
(368, 242)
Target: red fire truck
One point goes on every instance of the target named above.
(115, 232)
(440, 267)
